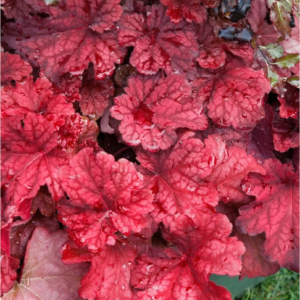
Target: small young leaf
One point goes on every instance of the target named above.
(275, 79)
(273, 50)
(294, 81)
(295, 6)
(272, 76)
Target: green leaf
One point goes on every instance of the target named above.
(295, 4)
(280, 16)
(287, 61)
(275, 80)
(273, 50)
(294, 81)
(272, 76)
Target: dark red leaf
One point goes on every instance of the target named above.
(275, 212)
(261, 144)
(74, 34)
(285, 133)
(254, 263)
(265, 33)
(289, 107)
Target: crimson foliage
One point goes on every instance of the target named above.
(147, 145)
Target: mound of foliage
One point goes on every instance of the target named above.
(147, 145)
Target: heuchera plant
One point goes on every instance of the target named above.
(147, 145)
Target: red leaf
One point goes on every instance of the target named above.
(257, 14)
(212, 58)
(109, 274)
(107, 195)
(105, 124)
(214, 52)
(30, 96)
(133, 6)
(183, 272)
(9, 264)
(158, 43)
(232, 137)
(87, 227)
(13, 67)
(95, 97)
(69, 85)
(187, 179)
(289, 107)
(237, 98)
(177, 177)
(230, 170)
(261, 144)
(73, 35)
(24, 7)
(275, 212)
(190, 10)
(242, 51)
(285, 133)
(265, 33)
(191, 107)
(153, 107)
(254, 262)
(28, 158)
(211, 3)
(5, 229)
(74, 255)
(44, 203)
(70, 128)
(44, 276)
(234, 93)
